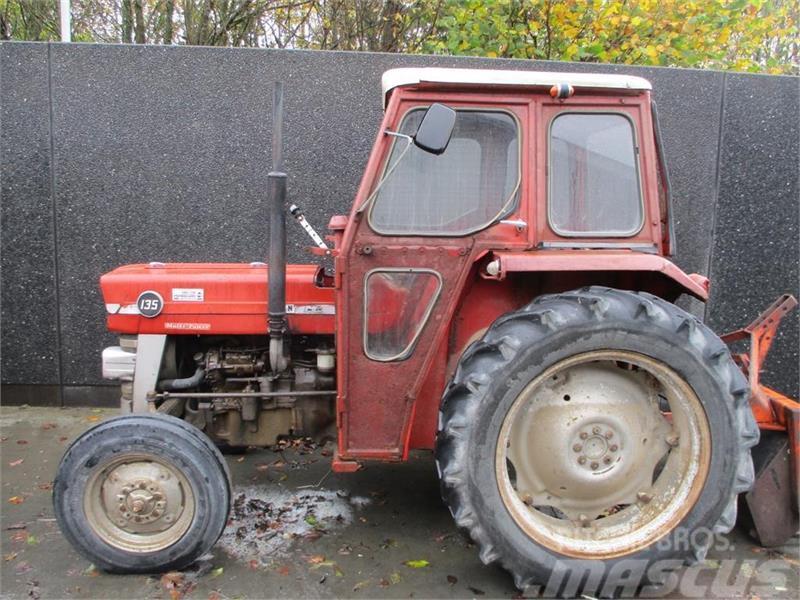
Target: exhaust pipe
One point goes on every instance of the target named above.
(276, 181)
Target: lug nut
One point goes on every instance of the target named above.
(609, 435)
(581, 460)
(594, 466)
(595, 430)
(577, 447)
(584, 435)
(137, 506)
(644, 497)
(614, 448)
(607, 460)
(672, 439)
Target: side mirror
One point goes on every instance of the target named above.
(435, 129)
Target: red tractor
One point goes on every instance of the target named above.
(501, 295)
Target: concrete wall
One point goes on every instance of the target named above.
(119, 154)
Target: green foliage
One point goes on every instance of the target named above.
(742, 35)
(745, 35)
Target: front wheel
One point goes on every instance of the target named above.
(597, 425)
(141, 494)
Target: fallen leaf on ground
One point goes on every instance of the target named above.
(22, 567)
(16, 526)
(253, 564)
(10, 556)
(47, 426)
(476, 591)
(171, 580)
(32, 541)
(22, 442)
(93, 418)
(360, 585)
(16, 500)
(214, 595)
(395, 578)
(33, 590)
(92, 571)
(311, 520)
(417, 564)
(63, 438)
(316, 559)
(17, 462)
(240, 459)
(790, 560)
(283, 570)
(452, 579)
(217, 572)
(45, 486)
(329, 563)
(20, 536)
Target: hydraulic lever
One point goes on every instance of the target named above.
(295, 211)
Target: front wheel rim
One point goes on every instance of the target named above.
(139, 503)
(603, 454)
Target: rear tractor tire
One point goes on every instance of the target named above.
(596, 428)
(142, 494)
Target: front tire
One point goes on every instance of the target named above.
(142, 494)
(597, 425)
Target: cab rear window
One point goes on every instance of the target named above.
(468, 187)
(594, 176)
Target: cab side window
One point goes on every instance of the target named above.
(594, 176)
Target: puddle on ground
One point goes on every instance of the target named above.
(265, 521)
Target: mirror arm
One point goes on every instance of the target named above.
(397, 134)
(409, 141)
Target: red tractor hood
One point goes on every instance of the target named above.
(211, 298)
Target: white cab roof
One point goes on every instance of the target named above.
(400, 77)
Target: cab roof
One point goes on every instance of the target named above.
(394, 78)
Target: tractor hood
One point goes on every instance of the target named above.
(213, 298)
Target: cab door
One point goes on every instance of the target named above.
(412, 245)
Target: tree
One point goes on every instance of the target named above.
(750, 35)
(745, 35)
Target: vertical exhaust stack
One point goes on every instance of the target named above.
(277, 239)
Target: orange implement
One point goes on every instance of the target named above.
(773, 502)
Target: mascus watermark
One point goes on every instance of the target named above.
(726, 577)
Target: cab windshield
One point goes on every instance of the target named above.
(468, 187)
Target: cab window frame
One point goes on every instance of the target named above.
(510, 204)
(633, 232)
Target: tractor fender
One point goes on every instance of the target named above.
(501, 263)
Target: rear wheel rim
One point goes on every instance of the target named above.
(139, 503)
(603, 454)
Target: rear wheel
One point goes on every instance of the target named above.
(142, 493)
(595, 425)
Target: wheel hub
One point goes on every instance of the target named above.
(139, 503)
(597, 447)
(142, 501)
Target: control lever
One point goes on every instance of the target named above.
(295, 211)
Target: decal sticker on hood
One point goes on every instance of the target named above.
(188, 294)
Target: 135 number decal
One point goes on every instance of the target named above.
(150, 304)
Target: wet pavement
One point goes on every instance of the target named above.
(299, 530)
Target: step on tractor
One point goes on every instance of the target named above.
(500, 293)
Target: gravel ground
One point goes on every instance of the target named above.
(298, 530)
